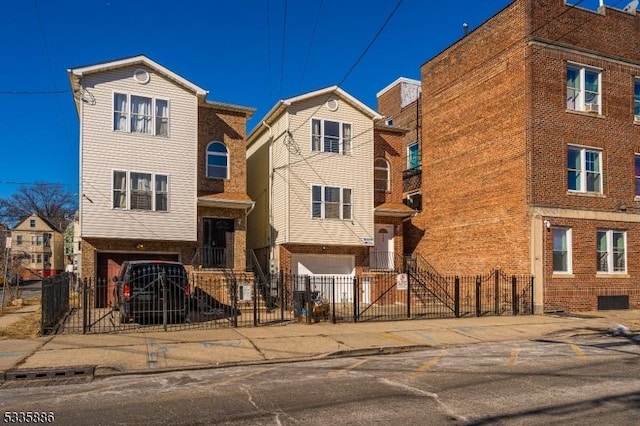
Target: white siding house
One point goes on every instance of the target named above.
(315, 153)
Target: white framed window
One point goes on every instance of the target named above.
(584, 169)
(584, 88)
(140, 114)
(140, 191)
(381, 175)
(636, 100)
(637, 174)
(217, 161)
(36, 240)
(331, 136)
(329, 202)
(413, 156)
(612, 251)
(562, 250)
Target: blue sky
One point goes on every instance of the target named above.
(247, 52)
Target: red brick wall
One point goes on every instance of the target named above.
(473, 151)
(388, 145)
(230, 128)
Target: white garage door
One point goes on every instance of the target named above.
(329, 274)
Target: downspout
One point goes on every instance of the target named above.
(270, 189)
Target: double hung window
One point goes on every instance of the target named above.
(140, 114)
(330, 202)
(561, 250)
(611, 251)
(583, 89)
(140, 191)
(330, 136)
(381, 175)
(584, 170)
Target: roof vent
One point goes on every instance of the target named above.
(332, 104)
(141, 76)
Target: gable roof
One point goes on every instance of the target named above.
(282, 105)
(76, 74)
(33, 215)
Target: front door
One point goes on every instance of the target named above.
(382, 255)
(217, 242)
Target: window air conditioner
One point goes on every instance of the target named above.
(591, 107)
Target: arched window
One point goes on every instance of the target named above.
(217, 161)
(381, 175)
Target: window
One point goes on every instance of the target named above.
(45, 258)
(583, 89)
(217, 161)
(140, 191)
(584, 170)
(36, 240)
(18, 240)
(636, 99)
(119, 190)
(381, 175)
(413, 156)
(637, 173)
(331, 203)
(562, 250)
(611, 251)
(32, 223)
(36, 258)
(330, 136)
(140, 114)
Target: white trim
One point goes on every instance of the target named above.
(583, 170)
(206, 160)
(137, 60)
(610, 263)
(129, 114)
(398, 81)
(569, 243)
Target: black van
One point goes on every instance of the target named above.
(152, 291)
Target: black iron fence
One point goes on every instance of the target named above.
(56, 298)
(241, 300)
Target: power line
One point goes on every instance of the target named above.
(33, 92)
(373, 40)
(284, 38)
(269, 49)
(313, 36)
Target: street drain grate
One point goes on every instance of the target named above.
(49, 373)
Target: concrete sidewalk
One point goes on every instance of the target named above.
(110, 354)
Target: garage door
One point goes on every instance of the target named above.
(329, 274)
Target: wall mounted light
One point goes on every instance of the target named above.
(140, 246)
(547, 224)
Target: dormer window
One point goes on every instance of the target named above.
(140, 114)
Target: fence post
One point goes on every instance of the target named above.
(496, 289)
(280, 284)
(515, 305)
(165, 298)
(255, 302)
(333, 300)
(85, 308)
(456, 296)
(532, 287)
(234, 301)
(356, 300)
(408, 295)
(307, 298)
(478, 296)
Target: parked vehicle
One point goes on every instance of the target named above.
(152, 291)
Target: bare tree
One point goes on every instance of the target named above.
(50, 201)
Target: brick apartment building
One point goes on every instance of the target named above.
(531, 153)
(399, 103)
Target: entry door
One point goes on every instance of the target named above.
(383, 253)
(217, 237)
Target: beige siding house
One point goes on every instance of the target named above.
(41, 244)
(310, 170)
(159, 174)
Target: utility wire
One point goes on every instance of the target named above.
(284, 39)
(33, 92)
(269, 49)
(313, 37)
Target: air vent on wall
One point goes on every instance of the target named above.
(141, 76)
(332, 104)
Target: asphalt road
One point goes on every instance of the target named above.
(589, 381)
